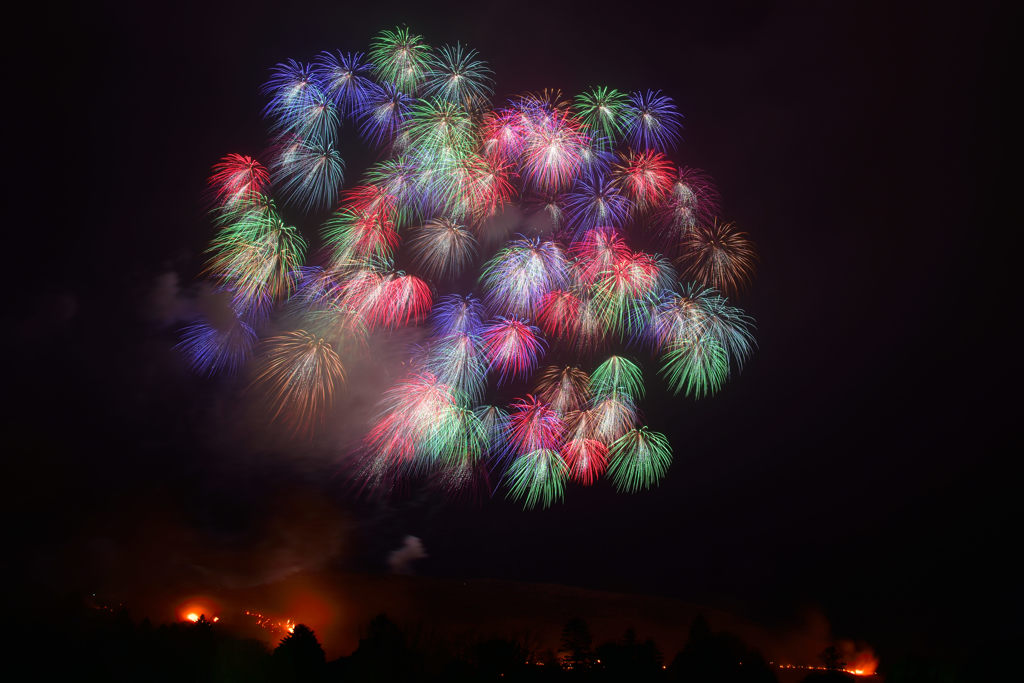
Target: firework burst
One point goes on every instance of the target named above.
(300, 373)
(719, 256)
(589, 184)
(639, 459)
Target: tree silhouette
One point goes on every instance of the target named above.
(299, 657)
(832, 658)
(576, 652)
(630, 660)
(499, 658)
(719, 657)
(384, 654)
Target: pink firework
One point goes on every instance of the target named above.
(533, 425)
(412, 410)
(597, 251)
(405, 298)
(504, 135)
(692, 201)
(512, 347)
(487, 186)
(559, 315)
(554, 151)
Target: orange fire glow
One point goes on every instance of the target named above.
(197, 606)
(863, 664)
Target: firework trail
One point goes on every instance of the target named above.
(585, 187)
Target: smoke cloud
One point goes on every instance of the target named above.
(400, 560)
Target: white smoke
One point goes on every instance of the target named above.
(400, 560)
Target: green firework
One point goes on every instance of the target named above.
(616, 376)
(537, 477)
(639, 459)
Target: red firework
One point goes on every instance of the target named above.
(645, 177)
(237, 177)
(586, 459)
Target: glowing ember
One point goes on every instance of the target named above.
(277, 626)
(867, 669)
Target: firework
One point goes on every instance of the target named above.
(585, 459)
(309, 174)
(719, 256)
(457, 314)
(565, 389)
(458, 361)
(595, 201)
(396, 179)
(617, 376)
(694, 313)
(409, 433)
(604, 111)
(238, 180)
(441, 134)
(400, 58)
(537, 477)
(457, 439)
(383, 113)
(312, 117)
(403, 298)
(554, 149)
(645, 177)
(456, 178)
(258, 262)
(504, 134)
(627, 292)
(697, 367)
(299, 372)
(611, 416)
(288, 85)
(639, 459)
(345, 78)
(532, 425)
(596, 252)
(487, 186)
(356, 238)
(559, 315)
(442, 248)
(213, 349)
(456, 75)
(652, 121)
(693, 201)
(521, 273)
(513, 348)
(494, 421)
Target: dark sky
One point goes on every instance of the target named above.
(858, 464)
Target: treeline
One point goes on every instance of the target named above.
(98, 645)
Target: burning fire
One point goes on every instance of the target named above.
(194, 617)
(856, 670)
(191, 609)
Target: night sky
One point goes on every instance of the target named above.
(858, 466)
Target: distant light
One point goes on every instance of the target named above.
(192, 616)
